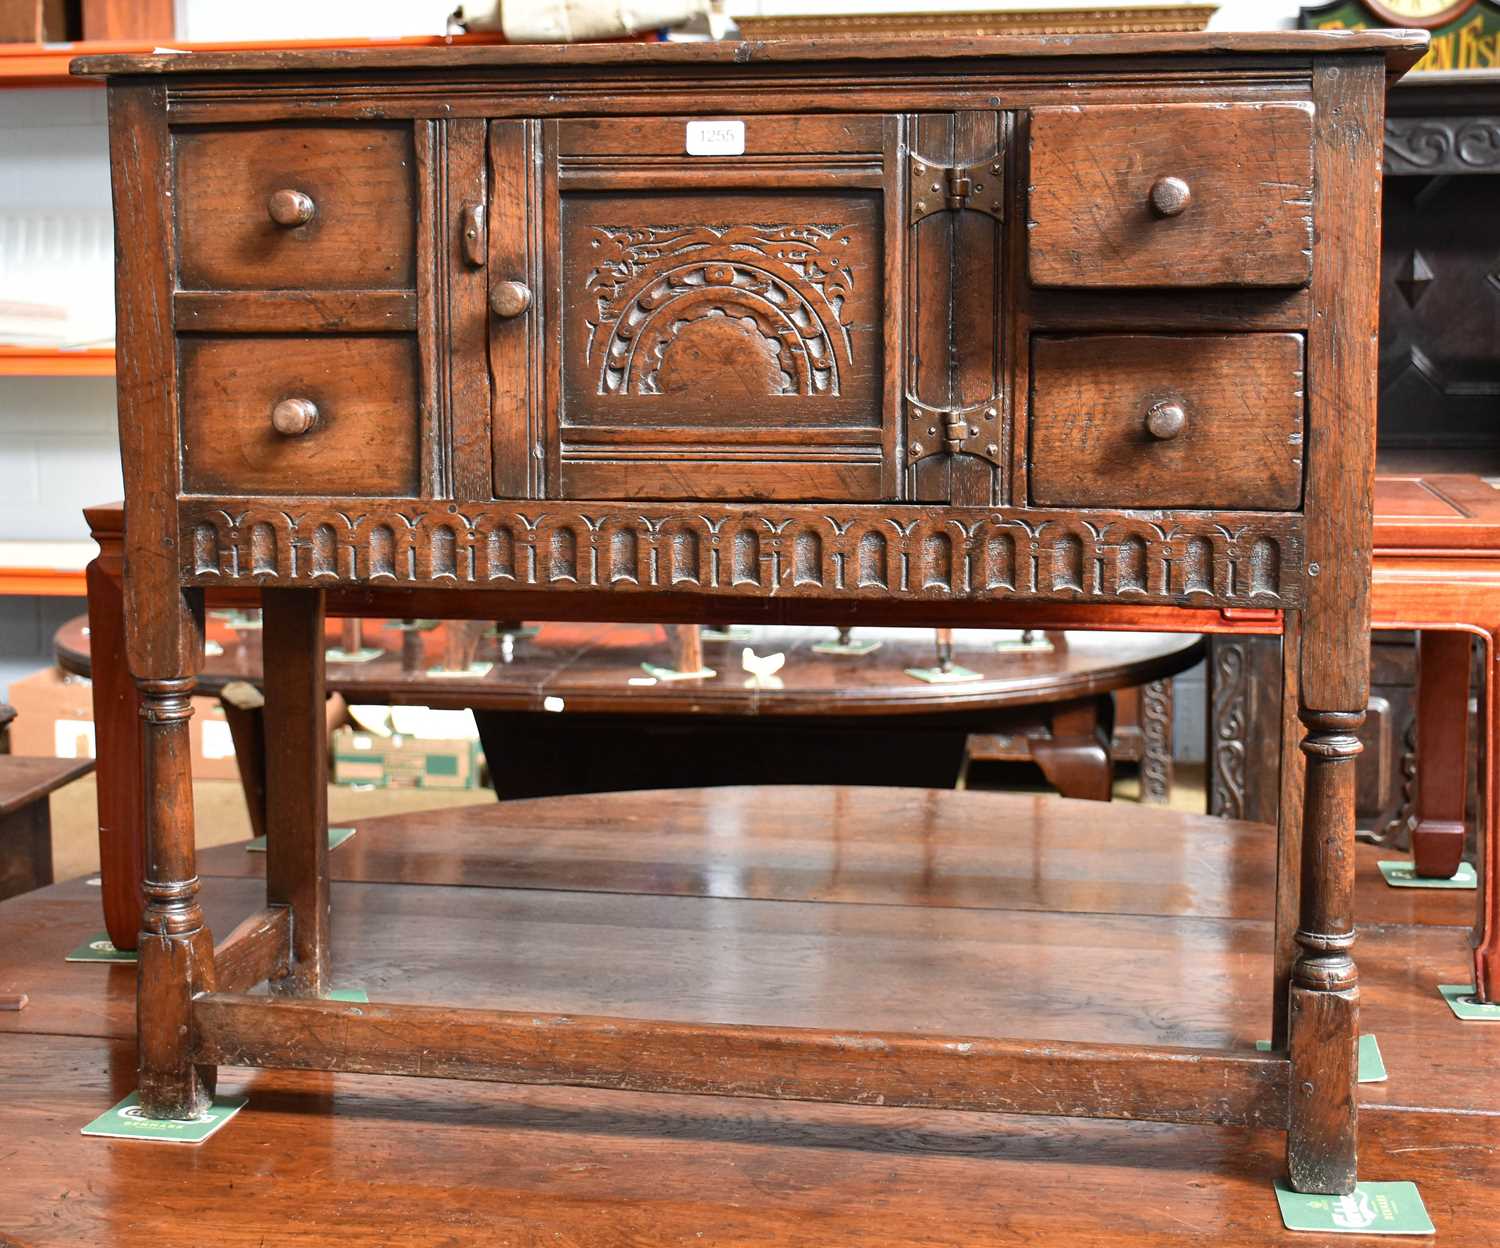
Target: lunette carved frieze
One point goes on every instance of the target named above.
(1442, 145)
(774, 294)
(816, 551)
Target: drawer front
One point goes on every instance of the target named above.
(296, 207)
(358, 437)
(723, 321)
(1171, 195)
(1204, 421)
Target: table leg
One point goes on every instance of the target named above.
(1075, 757)
(1437, 840)
(1487, 942)
(176, 948)
(296, 740)
(117, 746)
(26, 848)
(244, 711)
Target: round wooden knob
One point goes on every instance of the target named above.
(1169, 196)
(291, 208)
(294, 417)
(508, 299)
(1165, 420)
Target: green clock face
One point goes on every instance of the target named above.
(1427, 13)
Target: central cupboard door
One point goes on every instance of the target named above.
(715, 308)
(721, 313)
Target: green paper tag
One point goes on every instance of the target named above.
(1373, 1209)
(336, 837)
(735, 632)
(126, 1122)
(936, 675)
(1371, 1064)
(1404, 875)
(671, 673)
(853, 648)
(1460, 999)
(1014, 645)
(336, 654)
(98, 949)
(358, 995)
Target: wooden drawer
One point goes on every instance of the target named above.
(363, 440)
(1171, 195)
(359, 187)
(1105, 429)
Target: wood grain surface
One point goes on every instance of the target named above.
(1249, 169)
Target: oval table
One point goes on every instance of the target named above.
(829, 718)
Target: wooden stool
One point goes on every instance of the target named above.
(26, 817)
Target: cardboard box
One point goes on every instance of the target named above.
(404, 762)
(55, 719)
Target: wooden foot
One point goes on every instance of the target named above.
(1075, 757)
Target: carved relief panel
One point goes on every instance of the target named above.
(718, 308)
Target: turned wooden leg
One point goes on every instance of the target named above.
(117, 737)
(1323, 1002)
(1437, 839)
(297, 780)
(1075, 757)
(176, 949)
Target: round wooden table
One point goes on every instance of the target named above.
(838, 717)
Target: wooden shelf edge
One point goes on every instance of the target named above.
(46, 64)
(42, 583)
(55, 362)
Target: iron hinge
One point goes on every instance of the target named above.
(978, 186)
(972, 430)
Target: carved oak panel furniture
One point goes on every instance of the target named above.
(825, 331)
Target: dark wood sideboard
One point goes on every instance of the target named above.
(1439, 411)
(828, 331)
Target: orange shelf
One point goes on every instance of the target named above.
(55, 362)
(46, 64)
(42, 582)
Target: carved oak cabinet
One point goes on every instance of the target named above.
(938, 331)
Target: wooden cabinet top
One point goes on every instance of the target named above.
(1401, 48)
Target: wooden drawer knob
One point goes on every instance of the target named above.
(291, 208)
(1169, 196)
(1165, 420)
(294, 417)
(508, 299)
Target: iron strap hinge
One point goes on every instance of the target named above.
(977, 186)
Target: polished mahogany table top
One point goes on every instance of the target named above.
(597, 668)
